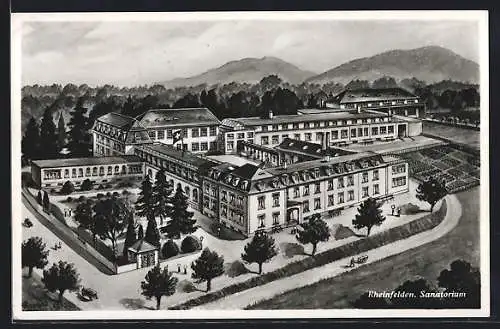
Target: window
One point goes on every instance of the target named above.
(276, 218)
(316, 188)
(152, 134)
(353, 132)
(399, 181)
(284, 126)
(330, 184)
(204, 146)
(265, 140)
(231, 198)
(169, 133)
(224, 196)
(240, 201)
(249, 134)
(262, 221)
(341, 182)
(365, 131)
(195, 147)
(261, 202)
(213, 145)
(343, 133)
(306, 190)
(330, 200)
(203, 132)
(350, 195)
(375, 175)
(110, 170)
(296, 192)
(241, 135)
(335, 134)
(264, 128)
(391, 129)
(213, 131)
(308, 137)
(276, 199)
(317, 203)
(184, 132)
(80, 172)
(295, 126)
(87, 172)
(365, 178)
(94, 171)
(223, 212)
(66, 173)
(307, 125)
(375, 131)
(364, 192)
(341, 197)
(350, 180)
(375, 189)
(383, 130)
(73, 173)
(187, 191)
(296, 136)
(316, 125)
(399, 169)
(275, 139)
(319, 137)
(195, 132)
(284, 136)
(230, 145)
(305, 206)
(161, 134)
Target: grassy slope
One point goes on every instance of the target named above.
(426, 261)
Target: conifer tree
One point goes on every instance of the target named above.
(30, 144)
(78, 134)
(162, 190)
(130, 237)
(48, 137)
(61, 132)
(152, 234)
(145, 203)
(369, 215)
(260, 249)
(181, 219)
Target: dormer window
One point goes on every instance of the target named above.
(236, 181)
(244, 185)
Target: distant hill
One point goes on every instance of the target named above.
(430, 64)
(250, 70)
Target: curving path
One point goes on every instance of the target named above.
(240, 300)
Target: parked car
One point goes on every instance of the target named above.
(27, 222)
(88, 294)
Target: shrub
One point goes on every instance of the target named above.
(108, 194)
(86, 185)
(100, 196)
(69, 199)
(170, 249)
(116, 194)
(67, 188)
(81, 198)
(235, 269)
(125, 192)
(190, 244)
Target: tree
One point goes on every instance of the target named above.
(87, 185)
(260, 249)
(111, 217)
(461, 277)
(158, 283)
(140, 233)
(431, 191)
(34, 254)
(84, 217)
(270, 82)
(39, 198)
(369, 215)
(48, 136)
(152, 235)
(170, 249)
(366, 302)
(67, 188)
(385, 82)
(61, 131)
(61, 277)
(161, 192)
(129, 107)
(357, 84)
(314, 231)
(130, 237)
(145, 203)
(180, 219)
(46, 201)
(207, 267)
(30, 143)
(78, 135)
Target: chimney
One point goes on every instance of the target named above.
(271, 114)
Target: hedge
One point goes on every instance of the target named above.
(350, 249)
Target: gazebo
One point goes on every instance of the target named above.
(143, 253)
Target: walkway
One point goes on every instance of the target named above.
(244, 298)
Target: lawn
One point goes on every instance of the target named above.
(425, 261)
(460, 135)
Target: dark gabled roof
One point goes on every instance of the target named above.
(178, 117)
(142, 246)
(91, 161)
(184, 156)
(372, 94)
(118, 120)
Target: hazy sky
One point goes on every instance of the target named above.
(132, 53)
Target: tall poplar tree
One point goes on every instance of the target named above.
(162, 190)
(30, 144)
(78, 135)
(48, 137)
(61, 132)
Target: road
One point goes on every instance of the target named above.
(244, 298)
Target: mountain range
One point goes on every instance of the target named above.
(430, 64)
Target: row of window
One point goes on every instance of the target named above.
(203, 146)
(169, 166)
(110, 131)
(230, 144)
(232, 198)
(318, 124)
(262, 219)
(386, 103)
(399, 169)
(95, 171)
(399, 181)
(261, 201)
(230, 136)
(195, 132)
(235, 216)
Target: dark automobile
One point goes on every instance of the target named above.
(27, 222)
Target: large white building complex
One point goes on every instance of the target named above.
(294, 166)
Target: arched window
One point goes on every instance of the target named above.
(117, 169)
(73, 173)
(66, 173)
(110, 170)
(195, 195)
(187, 191)
(101, 171)
(150, 173)
(87, 172)
(94, 171)
(124, 169)
(80, 172)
